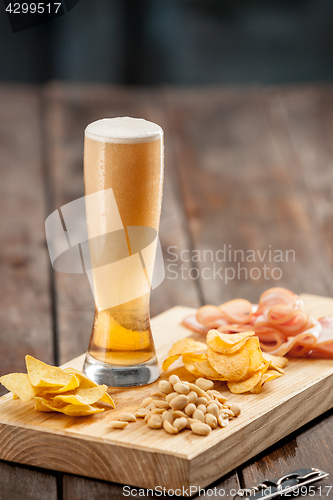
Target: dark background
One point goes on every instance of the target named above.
(176, 42)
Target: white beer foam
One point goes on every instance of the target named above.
(123, 130)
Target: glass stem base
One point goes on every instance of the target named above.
(121, 376)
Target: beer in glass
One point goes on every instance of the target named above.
(123, 179)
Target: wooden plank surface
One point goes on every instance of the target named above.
(244, 189)
(90, 447)
(25, 300)
(18, 483)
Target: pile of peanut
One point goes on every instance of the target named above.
(179, 405)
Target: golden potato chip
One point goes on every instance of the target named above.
(187, 346)
(83, 396)
(72, 384)
(168, 361)
(207, 371)
(276, 361)
(227, 343)
(183, 346)
(266, 377)
(248, 384)
(42, 404)
(189, 365)
(19, 384)
(252, 346)
(231, 366)
(43, 375)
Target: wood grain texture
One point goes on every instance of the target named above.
(26, 483)
(80, 488)
(301, 122)
(245, 188)
(89, 447)
(25, 310)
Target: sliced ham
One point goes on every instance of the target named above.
(278, 320)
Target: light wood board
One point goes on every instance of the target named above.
(144, 457)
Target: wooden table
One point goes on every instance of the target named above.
(246, 167)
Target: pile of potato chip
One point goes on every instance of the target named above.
(66, 391)
(233, 358)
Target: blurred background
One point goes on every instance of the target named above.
(175, 42)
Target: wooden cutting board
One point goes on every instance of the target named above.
(140, 456)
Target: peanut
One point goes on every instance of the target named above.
(201, 401)
(180, 423)
(155, 422)
(197, 390)
(126, 417)
(171, 396)
(167, 415)
(169, 428)
(204, 384)
(235, 408)
(226, 411)
(174, 379)
(213, 409)
(201, 429)
(151, 406)
(219, 396)
(146, 402)
(115, 424)
(181, 388)
(142, 412)
(192, 397)
(189, 409)
(159, 403)
(165, 386)
(223, 420)
(179, 402)
(211, 420)
(158, 394)
(178, 414)
(198, 415)
(202, 408)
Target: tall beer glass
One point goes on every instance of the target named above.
(123, 178)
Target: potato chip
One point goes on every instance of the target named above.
(188, 361)
(222, 348)
(277, 361)
(72, 384)
(227, 343)
(19, 384)
(266, 377)
(168, 361)
(206, 370)
(232, 367)
(183, 346)
(42, 404)
(187, 346)
(253, 348)
(83, 396)
(43, 375)
(248, 384)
